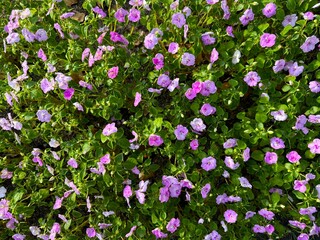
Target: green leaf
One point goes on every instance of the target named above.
(291, 5)
(285, 30)
(263, 26)
(257, 155)
(86, 148)
(275, 197)
(261, 117)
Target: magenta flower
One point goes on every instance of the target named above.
(258, 229)
(208, 163)
(205, 190)
(197, 86)
(314, 146)
(314, 86)
(194, 144)
(208, 87)
(266, 214)
(173, 225)
(308, 16)
(269, 10)
(290, 20)
(303, 236)
(267, 40)
(247, 17)
(279, 65)
(309, 44)
(207, 39)
(113, 72)
(230, 143)
(269, 229)
(127, 192)
(42, 55)
(173, 48)
(158, 61)
(277, 143)
(297, 224)
(207, 109)
(68, 93)
(121, 14)
(109, 129)
(230, 216)
(137, 99)
(181, 132)
(271, 158)
(293, 157)
(158, 234)
(279, 115)
(252, 79)
(300, 185)
(43, 116)
(214, 55)
(178, 20)
(91, 232)
(155, 140)
(198, 125)
(188, 59)
(134, 15)
(73, 163)
(58, 203)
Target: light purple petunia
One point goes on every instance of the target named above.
(267, 40)
(109, 129)
(229, 162)
(188, 59)
(314, 146)
(198, 125)
(73, 163)
(230, 143)
(120, 14)
(266, 214)
(178, 20)
(279, 115)
(173, 48)
(134, 15)
(208, 163)
(173, 225)
(279, 65)
(194, 144)
(181, 132)
(43, 116)
(247, 17)
(314, 86)
(155, 140)
(271, 158)
(205, 190)
(290, 20)
(269, 10)
(295, 70)
(252, 78)
(207, 87)
(244, 182)
(230, 216)
(293, 157)
(41, 35)
(207, 39)
(214, 56)
(309, 44)
(207, 109)
(277, 143)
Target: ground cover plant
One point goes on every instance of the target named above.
(149, 119)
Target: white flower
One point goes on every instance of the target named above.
(236, 57)
(54, 143)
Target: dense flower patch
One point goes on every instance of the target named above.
(160, 119)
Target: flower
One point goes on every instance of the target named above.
(178, 20)
(131, 231)
(99, 11)
(295, 70)
(229, 31)
(252, 78)
(214, 235)
(314, 86)
(250, 214)
(43, 116)
(208, 163)
(134, 15)
(236, 57)
(309, 44)
(279, 115)
(198, 125)
(230, 143)
(269, 10)
(211, 2)
(207, 39)
(246, 154)
(68, 93)
(158, 61)
(267, 40)
(109, 129)
(150, 41)
(41, 35)
(214, 55)
(137, 99)
(303, 236)
(173, 225)
(12, 38)
(300, 185)
(297, 224)
(181, 132)
(158, 234)
(18, 236)
(188, 59)
(308, 16)
(279, 65)
(3, 191)
(164, 194)
(47, 85)
(91, 232)
(194, 144)
(258, 229)
(271, 158)
(163, 80)
(230, 216)
(155, 140)
(266, 214)
(229, 162)
(113, 72)
(173, 48)
(247, 17)
(314, 146)
(73, 163)
(207, 109)
(186, 11)
(290, 20)
(205, 190)
(28, 36)
(244, 182)
(190, 94)
(293, 157)
(207, 87)
(277, 143)
(120, 14)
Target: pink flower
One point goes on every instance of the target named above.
(314, 146)
(164, 194)
(198, 125)
(173, 48)
(252, 79)
(194, 144)
(58, 203)
(99, 11)
(279, 65)
(211, 2)
(137, 99)
(279, 115)
(134, 15)
(269, 10)
(197, 86)
(47, 85)
(258, 229)
(293, 157)
(230, 216)
(207, 39)
(42, 55)
(190, 94)
(271, 158)
(214, 55)
(178, 20)
(109, 129)
(205, 190)
(155, 140)
(188, 59)
(230, 143)
(229, 31)
(150, 41)
(314, 86)
(121, 14)
(158, 61)
(208, 87)
(303, 236)
(229, 162)
(246, 154)
(113, 72)
(181, 132)
(300, 185)
(308, 16)
(267, 40)
(207, 109)
(208, 163)
(158, 234)
(68, 93)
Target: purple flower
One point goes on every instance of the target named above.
(226, 10)
(28, 36)
(214, 56)
(297, 224)
(309, 44)
(181, 132)
(314, 86)
(99, 11)
(229, 162)
(164, 194)
(303, 236)
(188, 59)
(271, 158)
(269, 229)
(136, 3)
(207, 109)
(121, 14)
(68, 93)
(244, 182)
(247, 17)
(41, 35)
(279, 115)
(134, 15)
(205, 190)
(252, 79)
(301, 121)
(59, 29)
(293, 157)
(269, 10)
(207, 39)
(279, 65)
(308, 16)
(116, 37)
(290, 20)
(163, 80)
(207, 87)
(295, 70)
(158, 61)
(198, 125)
(186, 11)
(211, 2)
(43, 116)
(18, 236)
(230, 143)
(178, 19)
(229, 31)
(249, 214)
(150, 41)
(173, 48)
(314, 146)
(230, 216)
(78, 106)
(190, 94)
(173, 225)
(131, 231)
(175, 190)
(277, 143)
(214, 235)
(246, 154)
(266, 214)
(91, 232)
(155, 140)
(137, 99)
(73, 163)
(67, 15)
(209, 163)
(308, 211)
(258, 229)
(174, 5)
(300, 185)
(194, 144)
(173, 85)
(113, 72)
(47, 85)
(12, 38)
(158, 234)
(109, 129)
(267, 40)
(314, 118)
